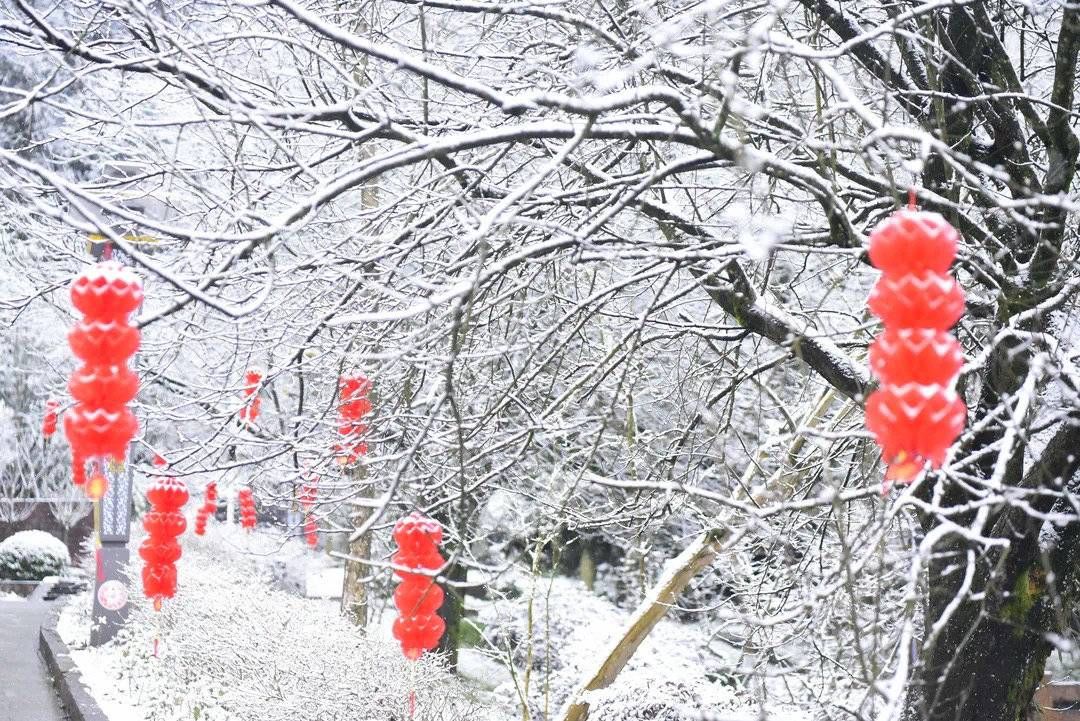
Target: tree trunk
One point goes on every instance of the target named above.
(354, 598)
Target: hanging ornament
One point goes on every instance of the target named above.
(252, 403)
(915, 415)
(164, 523)
(246, 501)
(911, 240)
(354, 405)
(100, 425)
(309, 494)
(915, 355)
(48, 422)
(917, 300)
(208, 508)
(418, 627)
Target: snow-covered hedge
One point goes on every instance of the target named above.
(31, 556)
(234, 649)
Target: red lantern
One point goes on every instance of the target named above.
(48, 422)
(200, 521)
(915, 355)
(353, 406)
(108, 387)
(103, 343)
(208, 508)
(418, 627)
(910, 241)
(915, 421)
(924, 300)
(915, 415)
(107, 291)
(250, 412)
(164, 523)
(246, 501)
(159, 461)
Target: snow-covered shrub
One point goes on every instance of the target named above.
(233, 648)
(31, 556)
(565, 635)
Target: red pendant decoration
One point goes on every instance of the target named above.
(207, 509)
(100, 425)
(915, 415)
(52, 415)
(354, 405)
(164, 523)
(309, 494)
(418, 627)
(252, 403)
(246, 501)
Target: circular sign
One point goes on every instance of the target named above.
(112, 595)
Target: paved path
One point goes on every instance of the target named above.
(26, 693)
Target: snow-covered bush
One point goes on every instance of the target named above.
(31, 556)
(231, 647)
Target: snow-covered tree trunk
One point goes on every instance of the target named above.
(354, 591)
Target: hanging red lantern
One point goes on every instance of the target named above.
(103, 342)
(246, 501)
(48, 422)
(252, 403)
(78, 470)
(108, 387)
(164, 523)
(309, 494)
(910, 241)
(915, 415)
(915, 355)
(353, 406)
(418, 627)
(100, 425)
(208, 508)
(923, 300)
(159, 461)
(107, 291)
(915, 421)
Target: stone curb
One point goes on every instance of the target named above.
(78, 703)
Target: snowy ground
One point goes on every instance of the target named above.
(235, 647)
(232, 648)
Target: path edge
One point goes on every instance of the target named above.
(77, 701)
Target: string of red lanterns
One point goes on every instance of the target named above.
(915, 414)
(418, 626)
(252, 402)
(354, 405)
(246, 500)
(208, 508)
(309, 494)
(48, 422)
(164, 523)
(100, 425)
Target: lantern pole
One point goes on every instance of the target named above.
(112, 531)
